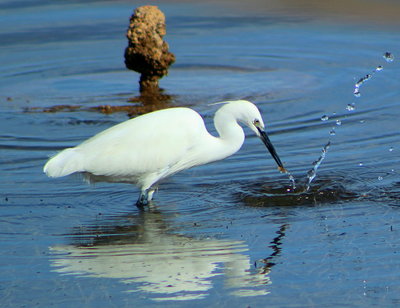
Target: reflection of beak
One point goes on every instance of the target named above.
(271, 149)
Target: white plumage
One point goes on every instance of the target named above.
(148, 148)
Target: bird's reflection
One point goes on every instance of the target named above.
(144, 252)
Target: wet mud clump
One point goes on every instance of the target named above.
(147, 53)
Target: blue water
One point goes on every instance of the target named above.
(226, 234)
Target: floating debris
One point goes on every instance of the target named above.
(131, 110)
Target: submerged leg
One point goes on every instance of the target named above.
(147, 190)
(146, 196)
(143, 198)
(150, 193)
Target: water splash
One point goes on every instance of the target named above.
(359, 83)
(350, 107)
(292, 180)
(388, 56)
(312, 173)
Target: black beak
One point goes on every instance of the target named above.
(271, 149)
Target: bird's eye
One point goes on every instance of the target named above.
(256, 123)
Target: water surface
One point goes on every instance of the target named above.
(226, 234)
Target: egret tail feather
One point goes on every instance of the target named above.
(64, 163)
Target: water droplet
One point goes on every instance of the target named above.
(350, 107)
(338, 122)
(324, 118)
(380, 178)
(332, 132)
(362, 121)
(363, 79)
(293, 181)
(379, 68)
(358, 84)
(391, 149)
(388, 57)
(365, 288)
(361, 164)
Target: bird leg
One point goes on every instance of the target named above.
(150, 193)
(143, 198)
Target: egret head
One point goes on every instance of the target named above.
(248, 114)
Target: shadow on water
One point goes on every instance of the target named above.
(143, 251)
(137, 105)
(325, 190)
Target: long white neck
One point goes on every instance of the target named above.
(231, 134)
(208, 148)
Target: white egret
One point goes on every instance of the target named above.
(148, 148)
